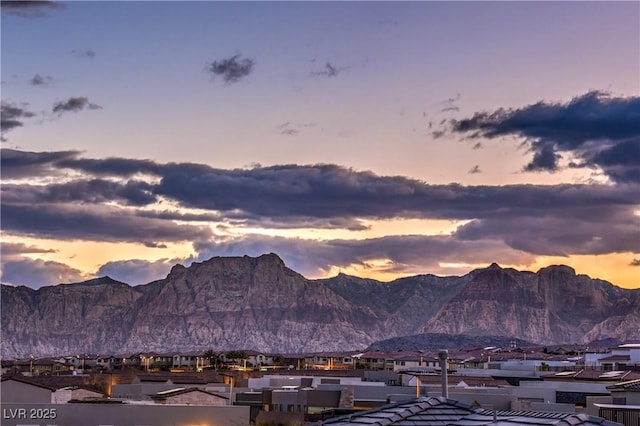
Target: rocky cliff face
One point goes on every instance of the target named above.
(258, 303)
(552, 306)
(94, 316)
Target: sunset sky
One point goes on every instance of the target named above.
(378, 139)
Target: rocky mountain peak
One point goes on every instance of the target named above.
(176, 271)
(101, 281)
(557, 269)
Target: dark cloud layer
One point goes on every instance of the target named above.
(511, 223)
(328, 196)
(23, 164)
(92, 191)
(231, 69)
(597, 128)
(103, 223)
(74, 104)
(29, 9)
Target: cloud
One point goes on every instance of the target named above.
(325, 191)
(93, 223)
(36, 273)
(231, 69)
(329, 71)
(451, 108)
(408, 253)
(11, 116)
(86, 53)
(288, 129)
(39, 80)
(120, 167)
(74, 104)
(12, 249)
(540, 219)
(546, 159)
(22, 164)
(138, 271)
(293, 129)
(596, 128)
(31, 8)
(92, 191)
(153, 244)
(557, 236)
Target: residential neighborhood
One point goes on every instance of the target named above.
(227, 387)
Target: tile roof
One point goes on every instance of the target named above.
(56, 382)
(615, 358)
(438, 411)
(594, 375)
(633, 385)
(28, 382)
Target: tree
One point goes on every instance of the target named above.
(214, 357)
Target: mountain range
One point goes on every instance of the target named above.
(258, 303)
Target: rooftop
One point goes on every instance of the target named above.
(632, 385)
(440, 411)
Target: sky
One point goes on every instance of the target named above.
(377, 139)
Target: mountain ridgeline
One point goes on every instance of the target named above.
(259, 303)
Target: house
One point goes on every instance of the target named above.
(626, 393)
(329, 361)
(259, 359)
(189, 396)
(106, 362)
(620, 358)
(188, 361)
(9, 367)
(38, 366)
(427, 411)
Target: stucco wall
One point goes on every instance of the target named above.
(13, 391)
(196, 398)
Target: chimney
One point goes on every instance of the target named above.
(443, 354)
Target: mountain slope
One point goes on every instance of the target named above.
(245, 302)
(259, 303)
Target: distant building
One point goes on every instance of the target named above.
(621, 358)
